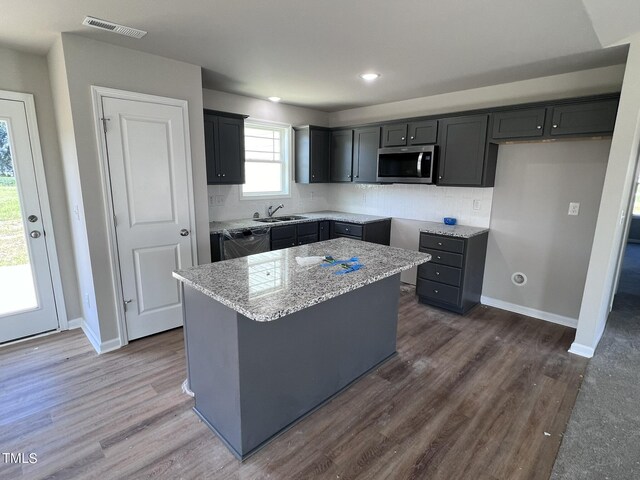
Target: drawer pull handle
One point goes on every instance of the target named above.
(439, 257)
(435, 291)
(437, 273)
(440, 243)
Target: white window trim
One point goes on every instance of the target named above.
(288, 174)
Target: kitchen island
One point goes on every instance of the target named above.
(268, 341)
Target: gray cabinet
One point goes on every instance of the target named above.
(324, 230)
(341, 156)
(466, 159)
(374, 232)
(224, 147)
(414, 133)
(215, 240)
(287, 236)
(453, 278)
(525, 123)
(584, 118)
(313, 149)
(365, 154)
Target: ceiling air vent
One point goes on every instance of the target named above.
(113, 27)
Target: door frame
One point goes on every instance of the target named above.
(43, 198)
(97, 94)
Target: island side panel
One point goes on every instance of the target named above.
(291, 365)
(211, 337)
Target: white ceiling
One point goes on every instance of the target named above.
(310, 53)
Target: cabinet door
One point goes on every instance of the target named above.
(462, 150)
(394, 135)
(584, 118)
(210, 128)
(323, 230)
(365, 154)
(341, 155)
(230, 150)
(519, 123)
(423, 133)
(320, 150)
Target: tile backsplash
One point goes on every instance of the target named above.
(471, 206)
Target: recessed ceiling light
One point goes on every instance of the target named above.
(369, 77)
(275, 99)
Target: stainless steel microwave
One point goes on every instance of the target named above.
(406, 164)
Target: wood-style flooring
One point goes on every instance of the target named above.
(481, 396)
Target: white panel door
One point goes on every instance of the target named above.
(27, 305)
(148, 159)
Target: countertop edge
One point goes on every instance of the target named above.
(297, 308)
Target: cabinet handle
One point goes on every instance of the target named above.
(435, 291)
(555, 126)
(539, 127)
(411, 138)
(437, 273)
(439, 257)
(313, 176)
(402, 138)
(440, 243)
(357, 176)
(218, 174)
(440, 177)
(223, 174)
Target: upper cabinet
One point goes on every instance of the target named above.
(341, 156)
(525, 123)
(414, 133)
(313, 149)
(365, 154)
(465, 158)
(584, 118)
(224, 147)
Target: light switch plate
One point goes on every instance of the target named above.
(574, 208)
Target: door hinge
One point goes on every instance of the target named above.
(104, 123)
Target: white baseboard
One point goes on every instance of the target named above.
(75, 323)
(530, 312)
(99, 347)
(582, 350)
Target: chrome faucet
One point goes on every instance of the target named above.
(271, 211)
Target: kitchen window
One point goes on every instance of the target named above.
(267, 149)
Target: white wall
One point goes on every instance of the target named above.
(82, 63)
(531, 231)
(612, 216)
(26, 73)
(302, 198)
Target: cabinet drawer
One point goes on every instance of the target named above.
(440, 273)
(283, 243)
(304, 239)
(348, 229)
(444, 258)
(279, 233)
(309, 228)
(437, 291)
(447, 244)
(348, 236)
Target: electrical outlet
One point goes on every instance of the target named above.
(212, 200)
(477, 204)
(574, 208)
(219, 200)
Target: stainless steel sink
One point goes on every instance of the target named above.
(279, 219)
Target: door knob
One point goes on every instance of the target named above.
(35, 234)
(32, 218)
(184, 232)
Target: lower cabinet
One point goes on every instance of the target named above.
(291, 235)
(453, 278)
(374, 232)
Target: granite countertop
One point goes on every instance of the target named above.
(461, 231)
(270, 285)
(231, 225)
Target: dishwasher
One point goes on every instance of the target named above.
(245, 242)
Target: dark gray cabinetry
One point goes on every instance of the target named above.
(374, 232)
(526, 123)
(453, 278)
(313, 145)
(215, 240)
(414, 133)
(341, 156)
(291, 235)
(584, 118)
(224, 147)
(465, 158)
(324, 230)
(365, 154)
